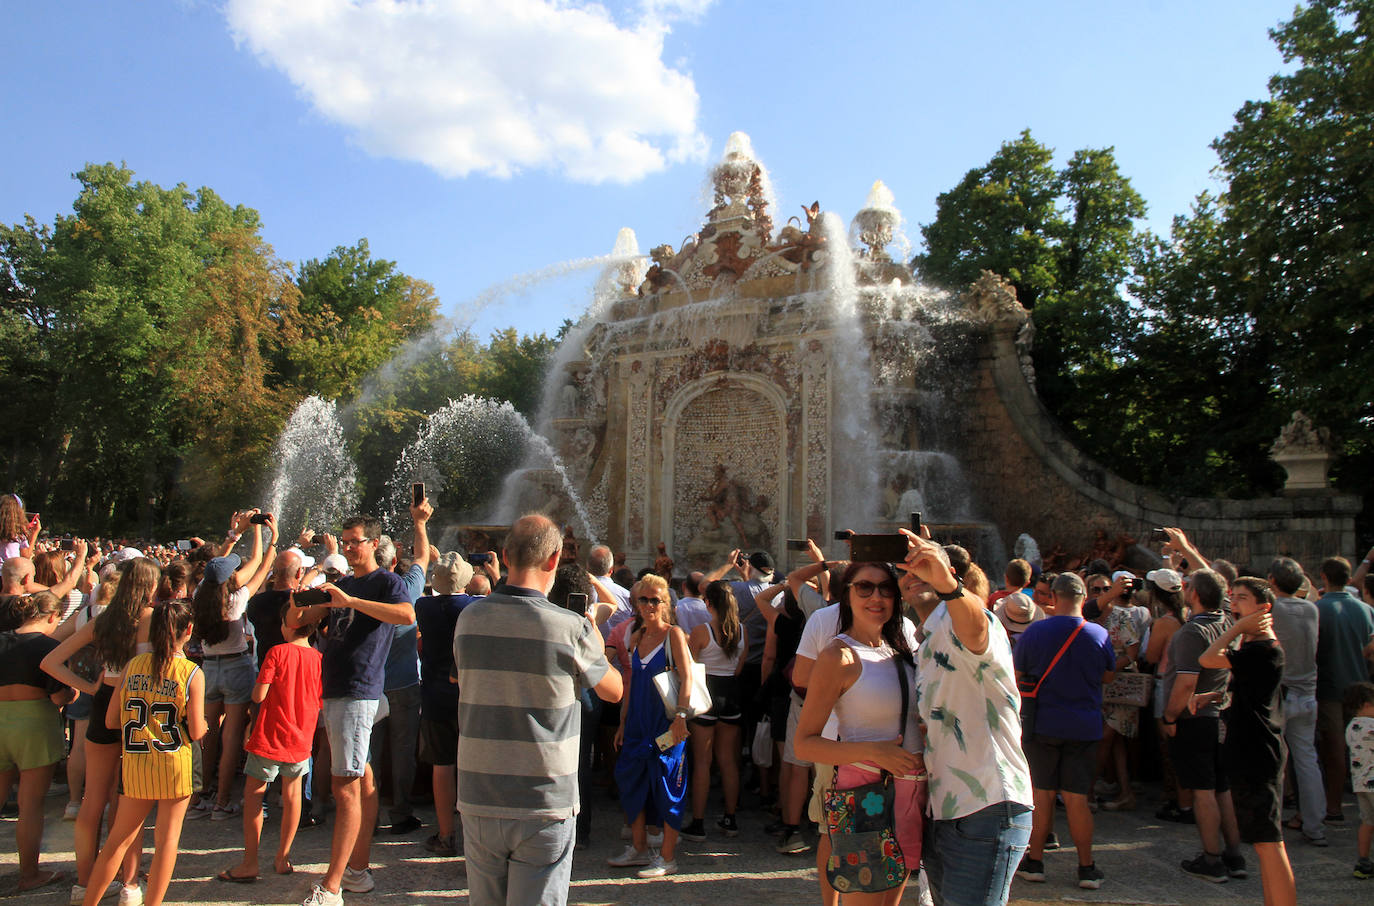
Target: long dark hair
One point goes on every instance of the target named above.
(892, 630)
(115, 632)
(721, 599)
(170, 620)
(208, 606)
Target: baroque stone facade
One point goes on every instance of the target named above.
(750, 388)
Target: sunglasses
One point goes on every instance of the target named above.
(654, 601)
(865, 589)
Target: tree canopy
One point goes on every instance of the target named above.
(1177, 360)
(154, 346)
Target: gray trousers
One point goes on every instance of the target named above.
(400, 732)
(1300, 732)
(518, 862)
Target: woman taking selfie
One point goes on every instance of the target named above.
(866, 678)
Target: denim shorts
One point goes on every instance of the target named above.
(970, 861)
(80, 708)
(348, 721)
(229, 678)
(268, 770)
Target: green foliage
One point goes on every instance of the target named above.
(154, 345)
(1065, 239)
(1299, 224)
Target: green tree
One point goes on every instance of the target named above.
(1065, 239)
(1298, 224)
(355, 310)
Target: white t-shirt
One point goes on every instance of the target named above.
(972, 712)
(236, 641)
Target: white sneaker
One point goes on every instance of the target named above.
(320, 896)
(656, 840)
(71, 811)
(658, 868)
(131, 895)
(631, 856)
(358, 881)
(79, 892)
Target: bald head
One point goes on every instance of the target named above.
(287, 570)
(16, 575)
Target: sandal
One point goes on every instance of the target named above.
(285, 871)
(43, 880)
(228, 875)
(1294, 823)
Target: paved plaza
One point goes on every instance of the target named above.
(1139, 855)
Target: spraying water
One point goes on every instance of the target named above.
(462, 453)
(417, 349)
(854, 501)
(316, 484)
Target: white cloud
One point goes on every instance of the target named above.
(474, 86)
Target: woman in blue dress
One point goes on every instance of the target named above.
(653, 778)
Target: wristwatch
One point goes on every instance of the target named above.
(955, 594)
(681, 713)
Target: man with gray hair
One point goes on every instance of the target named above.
(1194, 728)
(1295, 624)
(521, 663)
(600, 562)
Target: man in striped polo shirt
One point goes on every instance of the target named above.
(521, 664)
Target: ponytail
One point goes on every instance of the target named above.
(720, 597)
(169, 623)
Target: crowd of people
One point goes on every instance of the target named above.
(196, 676)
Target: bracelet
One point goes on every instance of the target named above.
(231, 535)
(825, 565)
(1167, 722)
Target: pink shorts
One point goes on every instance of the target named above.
(908, 808)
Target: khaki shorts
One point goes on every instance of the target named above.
(789, 754)
(820, 784)
(30, 734)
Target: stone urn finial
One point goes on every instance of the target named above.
(1305, 452)
(877, 220)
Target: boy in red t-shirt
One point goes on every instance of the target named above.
(288, 694)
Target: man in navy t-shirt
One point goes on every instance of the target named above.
(361, 611)
(1062, 752)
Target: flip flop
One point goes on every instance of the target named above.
(228, 875)
(52, 878)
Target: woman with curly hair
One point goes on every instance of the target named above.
(118, 633)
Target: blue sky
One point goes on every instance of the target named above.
(472, 142)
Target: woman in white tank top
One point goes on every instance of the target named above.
(856, 679)
(719, 644)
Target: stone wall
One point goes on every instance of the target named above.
(1033, 479)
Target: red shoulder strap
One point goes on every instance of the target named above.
(1062, 648)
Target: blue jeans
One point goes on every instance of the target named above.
(970, 861)
(519, 861)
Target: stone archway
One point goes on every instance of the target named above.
(725, 476)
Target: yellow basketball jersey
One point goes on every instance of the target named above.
(157, 751)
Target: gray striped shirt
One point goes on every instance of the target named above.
(521, 664)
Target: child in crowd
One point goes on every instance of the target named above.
(159, 709)
(1254, 751)
(288, 694)
(1359, 737)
